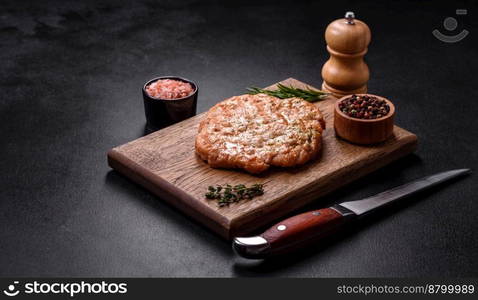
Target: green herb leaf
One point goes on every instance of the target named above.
(284, 92)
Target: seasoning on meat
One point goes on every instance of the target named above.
(254, 132)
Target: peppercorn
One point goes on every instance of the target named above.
(364, 107)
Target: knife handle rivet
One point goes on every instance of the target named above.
(281, 227)
(316, 213)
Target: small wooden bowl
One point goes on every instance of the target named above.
(363, 131)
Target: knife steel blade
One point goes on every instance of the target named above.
(365, 205)
(301, 229)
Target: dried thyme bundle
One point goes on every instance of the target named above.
(225, 195)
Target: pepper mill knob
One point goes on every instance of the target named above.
(347, 42)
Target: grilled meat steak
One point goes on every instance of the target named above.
(254, 132)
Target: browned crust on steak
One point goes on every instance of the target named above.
(254, 132)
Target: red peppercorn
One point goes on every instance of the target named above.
(364, 107)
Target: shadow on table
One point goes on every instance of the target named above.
(168, 213)
(393, 175)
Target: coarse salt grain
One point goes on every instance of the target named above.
(169, 89)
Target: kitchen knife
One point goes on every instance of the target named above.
(299, 230)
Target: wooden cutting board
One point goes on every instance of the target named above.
(165, 163)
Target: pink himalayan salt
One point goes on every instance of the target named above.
(169, 89)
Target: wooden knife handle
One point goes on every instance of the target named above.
(302, 229)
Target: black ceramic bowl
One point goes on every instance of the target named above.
(161, 113)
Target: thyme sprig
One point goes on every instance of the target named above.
(284, 92)
(225, 195)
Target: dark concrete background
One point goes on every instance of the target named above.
(70, 81)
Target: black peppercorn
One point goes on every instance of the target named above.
(364, 107)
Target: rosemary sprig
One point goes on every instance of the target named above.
(225, 195)
(284, 92)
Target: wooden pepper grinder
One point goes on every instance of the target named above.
(346, 72)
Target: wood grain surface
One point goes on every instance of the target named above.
(346, 72)
(302, 229)
(165, 163)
